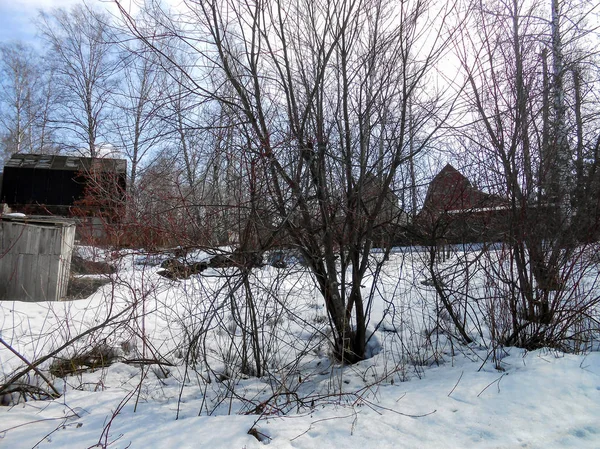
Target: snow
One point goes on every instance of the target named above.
(411, 393)
(542, 400)
(15, 215)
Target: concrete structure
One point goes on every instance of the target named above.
(35, 257)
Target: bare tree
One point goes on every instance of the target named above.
(138, 123)
(26, 95)
(84, 65)
(521, 130)
(321, 94)
(17, 95)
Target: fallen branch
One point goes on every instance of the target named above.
(38, 362)
(31, 367)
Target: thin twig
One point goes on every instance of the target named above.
(492, 383)
(38, 421)
(456, 384)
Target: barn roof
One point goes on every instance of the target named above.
(69, 163)
(450, 190)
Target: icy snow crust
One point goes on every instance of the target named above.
(418, 390)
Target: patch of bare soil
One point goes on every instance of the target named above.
(82, 287)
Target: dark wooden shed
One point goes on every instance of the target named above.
(58, 185)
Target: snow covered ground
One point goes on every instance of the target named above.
(419, 390)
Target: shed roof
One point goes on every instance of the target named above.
(69, 163)
(38, 220)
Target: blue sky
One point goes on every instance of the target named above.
(15, 20)
(16, 17)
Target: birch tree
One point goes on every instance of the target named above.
(84, 66)
(26, 96)
(515, 59)
(138, 117)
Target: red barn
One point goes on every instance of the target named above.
(455, 211)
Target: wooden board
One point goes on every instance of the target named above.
(35, 260)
